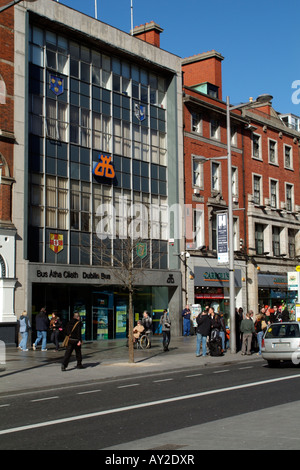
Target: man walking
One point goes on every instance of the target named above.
(186, 314)
(73, 330)
(42, 325)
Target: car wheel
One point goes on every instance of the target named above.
(273, 364)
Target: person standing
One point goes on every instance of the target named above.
(260, 326)
(73, 330)
(247, 328)
(203, 331)
(42, 324)
(24, 327)
(147, 324)
(186, 314)
(55, 327)
(166, 329)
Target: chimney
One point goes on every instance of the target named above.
(149, 32)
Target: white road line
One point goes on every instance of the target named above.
(96, 414)
(244, 368)
(43, 399)
(194, 375)
(88, 391)
(131, 385)
(162, 380)
(221, 371)
(3, 406)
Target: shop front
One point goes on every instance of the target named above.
(211, 288)
(102, 303)
(273, 290)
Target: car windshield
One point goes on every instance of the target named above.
(289, 330)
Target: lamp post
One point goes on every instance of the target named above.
(11, 4)
(261, 99)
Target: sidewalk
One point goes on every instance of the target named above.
(107, 359)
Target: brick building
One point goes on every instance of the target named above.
(265, 205)
(7, 145)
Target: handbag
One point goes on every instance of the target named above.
(66, 340)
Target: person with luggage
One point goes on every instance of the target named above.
(203, 332)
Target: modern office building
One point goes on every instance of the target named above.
(97, 157)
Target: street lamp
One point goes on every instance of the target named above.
(261, 99)
(11, 4)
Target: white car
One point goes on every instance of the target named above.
(281, 343)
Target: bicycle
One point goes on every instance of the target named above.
(142, 342)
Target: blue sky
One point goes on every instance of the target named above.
(259, 39)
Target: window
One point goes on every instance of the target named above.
(56, 202)
(259, 239)
(196, 122)
(273, 152)
(215, 176)
(198, 229)
(289, 188)
(273, 194)
(276, 241)
(291, 243)
(215, 129)
(235, 182)
(257, 189)
(197, 173)
(57, 120)
(256, 146)
(37, 200)
(288, 157)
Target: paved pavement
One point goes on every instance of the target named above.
(24, 370)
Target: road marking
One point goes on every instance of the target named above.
(194, 375)
(89, 391)
(96, 414)
(131, 385)
(244, 368)
(43, 399)
(162, 380)
(3, 406)
(221, 371)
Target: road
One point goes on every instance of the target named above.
(136, 412)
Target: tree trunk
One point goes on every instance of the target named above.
(130, 329)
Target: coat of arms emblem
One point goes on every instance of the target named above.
(56, 242)
(56, 85)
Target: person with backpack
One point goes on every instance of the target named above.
(24, 327)
(203, 331)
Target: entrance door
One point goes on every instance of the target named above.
(102, 316)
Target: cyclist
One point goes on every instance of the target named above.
(147, 324)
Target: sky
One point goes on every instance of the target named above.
(259, 39)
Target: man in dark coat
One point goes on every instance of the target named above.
(73, 330)
(203, 331)
(42, 325)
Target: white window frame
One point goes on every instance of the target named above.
(197, 127)
(260, 188)
(215, 129)
(272, 180)
(198, 228)
(259, 156)
(216, 188)
(291, 186)
(290, 167)
(196, 160)
(275, 162)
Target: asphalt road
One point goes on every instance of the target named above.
(118, 413)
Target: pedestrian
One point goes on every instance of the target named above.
(186, 314)
(247, 328)
(166, 329)
(73, 331)
(223, 330)
(203, 331)
(42, 324)
(55, 328)
(147, 324)
(24, 327)
(260, 327)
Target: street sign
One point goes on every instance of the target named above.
(222, 238)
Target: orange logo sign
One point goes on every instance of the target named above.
(104, 167)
